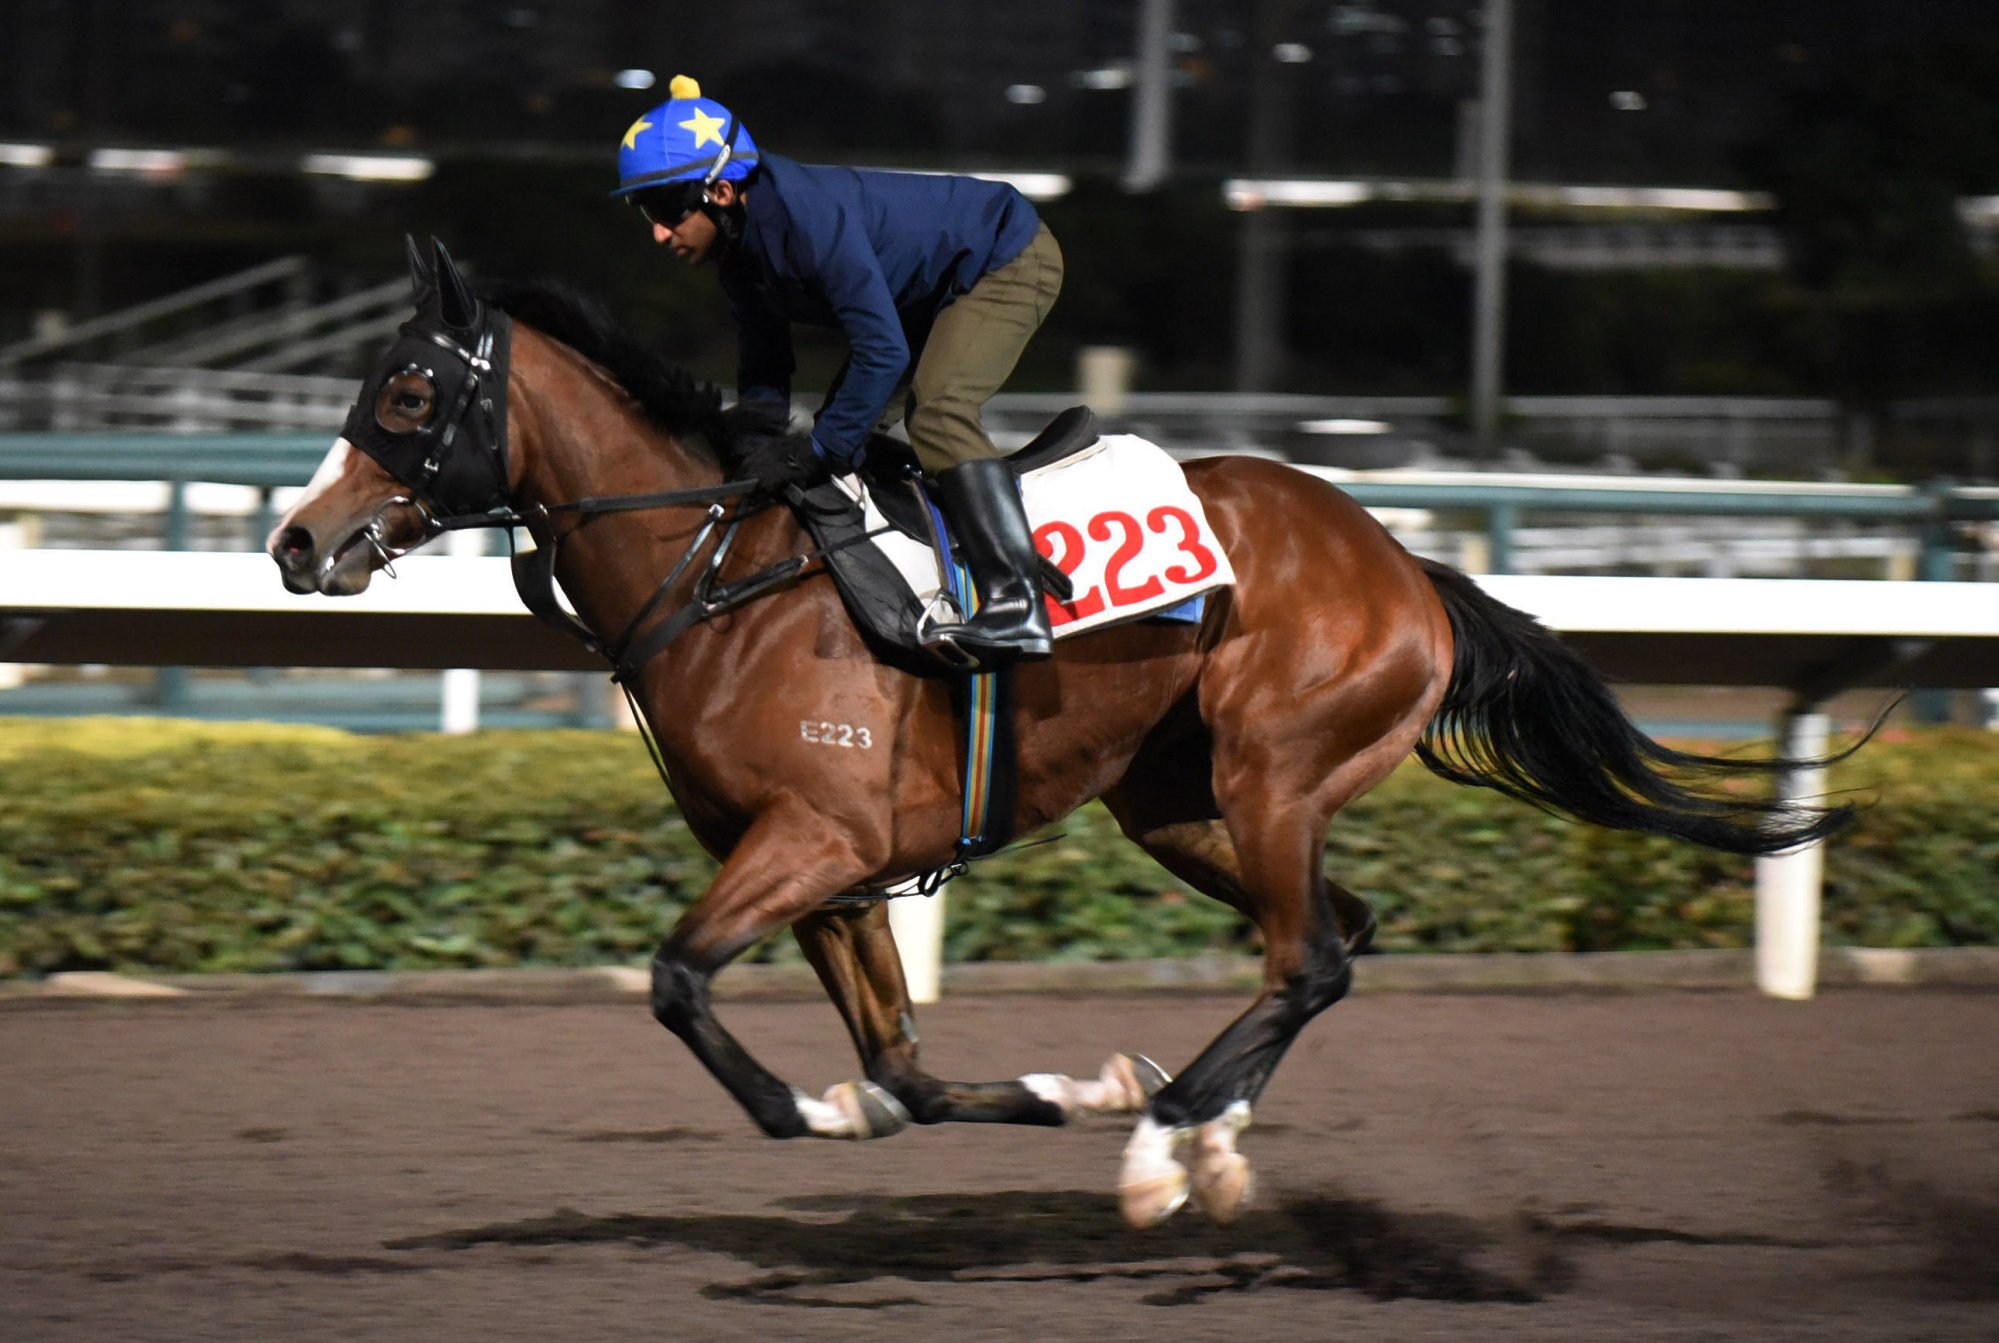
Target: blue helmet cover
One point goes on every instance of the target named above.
(686, 139)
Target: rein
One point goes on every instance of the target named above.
(628, 653)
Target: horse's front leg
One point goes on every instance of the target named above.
(786, 865)
(853, 949)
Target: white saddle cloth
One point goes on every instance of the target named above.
(1116, 517)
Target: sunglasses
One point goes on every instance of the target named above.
(668, 206)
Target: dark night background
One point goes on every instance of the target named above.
(1866, 122)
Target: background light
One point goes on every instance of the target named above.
(1344, 426)
(147, 162)
(1035, 186)
(369, 167)
(1108, 77)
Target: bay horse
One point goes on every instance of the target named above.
(1224, 749)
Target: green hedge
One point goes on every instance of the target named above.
(169, 846)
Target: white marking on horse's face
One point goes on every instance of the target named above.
(348, 520)
(331, 468)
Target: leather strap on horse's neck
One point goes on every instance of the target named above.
(534, 579)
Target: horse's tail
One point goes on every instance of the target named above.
(1525, 715)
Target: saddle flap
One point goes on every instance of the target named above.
(876, 591)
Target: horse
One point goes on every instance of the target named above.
(1224, 748)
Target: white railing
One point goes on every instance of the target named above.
(1594, 246)
(192, 400)
(337, 330)
(79, 606)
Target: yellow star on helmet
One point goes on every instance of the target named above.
(632, 135)
(705, 128)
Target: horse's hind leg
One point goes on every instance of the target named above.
(1209, 1103)
(1201, 854)
(1264, 861)
(853, 950)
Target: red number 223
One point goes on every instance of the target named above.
(1063, 537)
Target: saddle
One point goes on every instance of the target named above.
(878, 594)
(891, 461)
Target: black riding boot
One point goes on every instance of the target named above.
(982, 500)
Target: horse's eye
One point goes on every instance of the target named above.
(404, 404)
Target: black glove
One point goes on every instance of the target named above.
(776, 461)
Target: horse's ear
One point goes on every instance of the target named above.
(423, 280)
(457, 306)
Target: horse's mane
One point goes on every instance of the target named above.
(670, 397)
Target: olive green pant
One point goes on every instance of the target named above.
(972, 349)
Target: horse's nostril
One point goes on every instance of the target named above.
(294, 541)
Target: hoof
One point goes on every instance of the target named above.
(854, 1110)
(1127, 1082)
(869, 1110)
(1222, 1181)
(1222, 1187)
(1151, 1184)
(1150, 1201)
(1146, 1075)
(1123, 1086)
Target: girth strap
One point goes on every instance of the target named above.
(991, 758)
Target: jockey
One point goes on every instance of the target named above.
(938, 283)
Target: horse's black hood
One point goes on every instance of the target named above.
(456, 464)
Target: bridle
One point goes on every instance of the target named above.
(456, 469)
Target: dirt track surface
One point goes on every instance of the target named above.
(1668, 1166)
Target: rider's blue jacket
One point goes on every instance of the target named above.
(877, 255)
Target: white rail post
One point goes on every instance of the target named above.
(16, 533)
(459, 711)
(1103, 378)
(918, 925)
(1788, 885)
